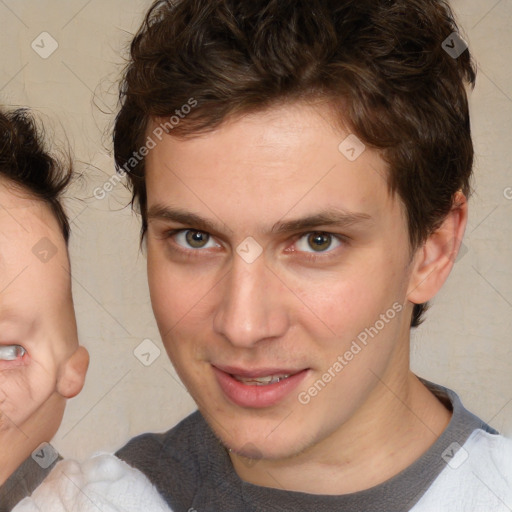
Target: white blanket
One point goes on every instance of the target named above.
(103, 482)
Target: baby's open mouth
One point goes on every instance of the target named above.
(11, 352)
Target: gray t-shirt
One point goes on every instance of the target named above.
(22, 483)
(193, 472)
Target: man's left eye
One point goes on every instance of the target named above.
(317, 242)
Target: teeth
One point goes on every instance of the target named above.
(261, 381)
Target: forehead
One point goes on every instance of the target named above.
(286, 161)
(28, 231)
(21, 212)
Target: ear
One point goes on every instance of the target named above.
(72, 375)
(434, 261)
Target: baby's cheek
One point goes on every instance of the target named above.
(19, 397)
(4, 420)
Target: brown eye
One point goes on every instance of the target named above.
(197, 239)
(319, 241)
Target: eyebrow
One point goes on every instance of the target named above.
(332, 217)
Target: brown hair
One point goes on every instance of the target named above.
(381, 62)
(25, 161)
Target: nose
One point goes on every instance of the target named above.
(253, 305)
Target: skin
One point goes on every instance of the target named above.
(284, 310)
(36, 312)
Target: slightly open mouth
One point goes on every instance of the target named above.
(258, 388)
(261, 381)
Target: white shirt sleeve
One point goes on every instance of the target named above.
(477, 478)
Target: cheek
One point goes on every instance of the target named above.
(361, 310)
(343, 304)
(22, 392)
(178, 293)
(165, 288)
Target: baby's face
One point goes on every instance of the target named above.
(38, 331)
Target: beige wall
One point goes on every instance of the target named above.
(466, 342)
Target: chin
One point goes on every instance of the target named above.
(256, 444)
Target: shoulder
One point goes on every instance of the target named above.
(478, 476)
(488, 455)
(103, 482)
(145, 450)
(498, 449)
(173, 461)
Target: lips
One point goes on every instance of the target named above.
(257, 388)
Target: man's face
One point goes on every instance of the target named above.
(250, 334)
(37, 322)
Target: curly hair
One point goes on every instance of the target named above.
(25, 161)
(380, 63)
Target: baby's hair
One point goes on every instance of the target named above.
(26, 161)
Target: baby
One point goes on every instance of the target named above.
(41, 361)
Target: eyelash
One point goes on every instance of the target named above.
(309, 257)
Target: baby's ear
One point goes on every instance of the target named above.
(72, 374)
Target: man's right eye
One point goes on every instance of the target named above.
(192, 239)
